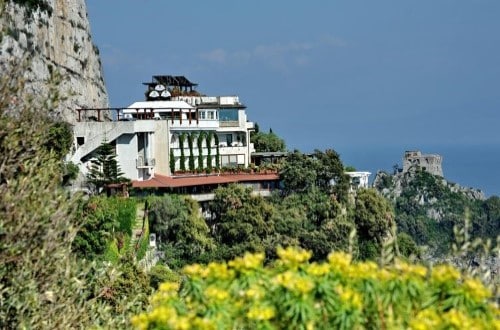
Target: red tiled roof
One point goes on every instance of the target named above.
(163, 181)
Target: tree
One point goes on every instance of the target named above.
(243, 222)
(330, 174)
(297, 174)
(182, 138)
(183, 233)
(104, 169)
(269, 142)
(374, 217)
(191, 137)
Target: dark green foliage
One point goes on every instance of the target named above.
(70, 172)
(96, 228)
(104, 169)
(182, 138)
(201, 138)
(407, 246)
(143, 245)
(123, 285)
(264, 142)
(209, 151)
(324, 170)
(172, 161)
(373, 215)
(179, 228)
(191, 137)
(428, 209)
(330, 174)
(297, 174)
(242, 222)
(59, 138)
(160, 273)
(101, 218)
(217, 154)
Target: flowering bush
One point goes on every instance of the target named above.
(337, 294)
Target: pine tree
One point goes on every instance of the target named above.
(104, 169)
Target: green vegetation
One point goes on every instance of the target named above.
(293, 293)
(67, 260)
(180, 228)
(104, 169)
(267, 141)
(428, 210)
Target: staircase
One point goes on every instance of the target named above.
(97, 132)
(137, 227)
(152, 256)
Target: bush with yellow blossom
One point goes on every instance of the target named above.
(293, 293)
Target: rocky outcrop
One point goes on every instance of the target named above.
(393, 185)
(56, 39)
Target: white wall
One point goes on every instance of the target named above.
(126, 149)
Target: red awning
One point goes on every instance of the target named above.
(163, 181)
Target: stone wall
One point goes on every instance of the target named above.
(60, 41)
(430, 163)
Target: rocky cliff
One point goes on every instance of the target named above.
(392, 186)
(55, 37)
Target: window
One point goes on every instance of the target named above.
(229, 139)
(228, 114)
(202, 115)
(212, 115)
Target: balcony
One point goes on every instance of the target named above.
(142, 162)
(229, 123)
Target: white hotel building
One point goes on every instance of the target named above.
(147, 134)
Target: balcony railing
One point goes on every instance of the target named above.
(229, 123)
(145, 162)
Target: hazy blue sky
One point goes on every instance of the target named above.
(321, 74)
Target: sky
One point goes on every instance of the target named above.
(351, 75)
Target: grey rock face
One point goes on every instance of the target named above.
(57, 42)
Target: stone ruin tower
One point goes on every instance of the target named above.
(430, 163)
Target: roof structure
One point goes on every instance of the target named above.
(163, 181)
(159, 105)
(179, 81)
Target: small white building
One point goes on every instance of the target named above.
(359, 179)
(175, 123)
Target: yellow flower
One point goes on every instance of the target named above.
(339, 261)
(457, 319)
(363, 270)
(254, 293)
(315, 269)
(410, 271)
(215, 293)
(260, 313)
(169, 287)
(140, 321)
(385, 275)
(445, 273)
(293, 256)
(294, 282)
(425, 320)
(248, 262)
(203, 323)
(162, 314)
(193, 270)
(349, 297)
(476, 289)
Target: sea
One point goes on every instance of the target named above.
(474, 166)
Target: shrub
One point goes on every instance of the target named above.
(337, 294)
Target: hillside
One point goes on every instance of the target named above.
(427, 207)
